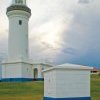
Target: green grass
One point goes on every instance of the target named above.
(95, 87)
(34, 90)
(21, 91)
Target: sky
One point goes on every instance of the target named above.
(60, 31)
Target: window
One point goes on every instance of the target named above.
(19, 1)
(20, 22)
(27, 70)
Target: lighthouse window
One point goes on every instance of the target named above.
(20, 22)
(19, 1)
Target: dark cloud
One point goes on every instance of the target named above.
(83, 36)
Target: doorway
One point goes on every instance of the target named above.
(35, 74)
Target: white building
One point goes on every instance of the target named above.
(17, 66)
(67, 82)
(0, 72)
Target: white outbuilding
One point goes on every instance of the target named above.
(67, 82)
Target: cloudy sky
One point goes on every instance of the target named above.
(61, 31)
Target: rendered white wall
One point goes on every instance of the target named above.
(17, 70)
(66, 83)
(18, 35)
(27, 71)
(40, 71)
(0, 71)
(72, 83)
(50, 84)
(11, 70)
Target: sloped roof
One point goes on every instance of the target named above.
(68, 66)
(75, 66)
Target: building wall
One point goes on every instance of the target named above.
(27, 71)
(17, 72)
(0, 71)
(21, 70)
(39, 68)
(11, 70)
(72, 83)
(50, 84)
(67, 84)
(18, 35)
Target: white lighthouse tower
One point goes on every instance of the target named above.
(17, 66)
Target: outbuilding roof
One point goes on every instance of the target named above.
(69, 67)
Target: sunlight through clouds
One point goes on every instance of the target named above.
(50, 20)
(67, 29)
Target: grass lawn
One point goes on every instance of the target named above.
(34, 90)
(21, 91)
(95, 87)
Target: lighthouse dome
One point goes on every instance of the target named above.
(19, 5)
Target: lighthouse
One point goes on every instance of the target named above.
(17, 66)
(18, 14)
